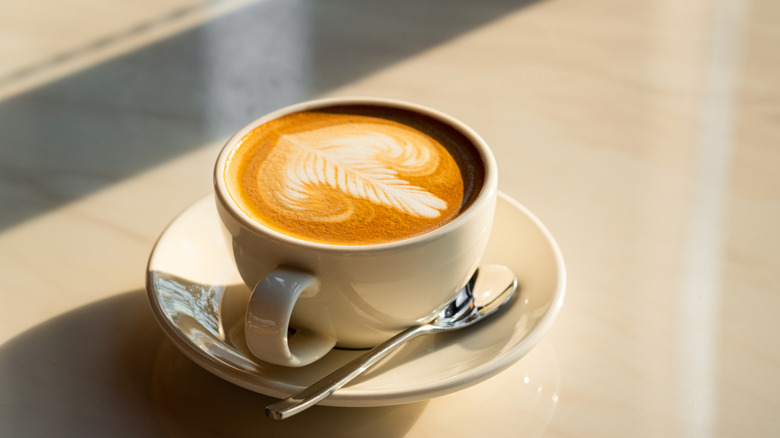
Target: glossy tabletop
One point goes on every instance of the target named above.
(644, 135)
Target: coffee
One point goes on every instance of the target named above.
(354, 174)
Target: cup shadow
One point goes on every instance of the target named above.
(107, 369)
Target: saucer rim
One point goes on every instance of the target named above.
(355, 396)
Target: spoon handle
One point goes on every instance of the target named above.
(335, 380)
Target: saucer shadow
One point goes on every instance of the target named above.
(106, 369)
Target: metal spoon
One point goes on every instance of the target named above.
(489, 288)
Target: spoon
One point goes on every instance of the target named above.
(489, 288)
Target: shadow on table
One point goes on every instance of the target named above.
(105, 123)
(106, 369)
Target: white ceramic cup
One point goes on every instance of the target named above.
(309, 297)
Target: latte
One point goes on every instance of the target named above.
(354, 175)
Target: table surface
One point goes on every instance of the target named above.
(643, 134)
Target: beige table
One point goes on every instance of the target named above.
(645, 135)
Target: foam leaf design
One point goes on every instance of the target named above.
(364, 160)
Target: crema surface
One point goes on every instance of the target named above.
(353, 175)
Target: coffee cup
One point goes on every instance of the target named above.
(351, 219)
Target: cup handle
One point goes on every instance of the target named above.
(267, 321)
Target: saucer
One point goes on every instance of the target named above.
(199, 299)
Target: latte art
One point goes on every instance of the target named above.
(363, 160)
(353, 175)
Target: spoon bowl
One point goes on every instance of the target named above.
(487, 290)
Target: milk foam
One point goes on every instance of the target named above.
(353, 175)
(363, 160)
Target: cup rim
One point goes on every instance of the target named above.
(487, 192)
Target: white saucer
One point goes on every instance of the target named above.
(199, 300)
